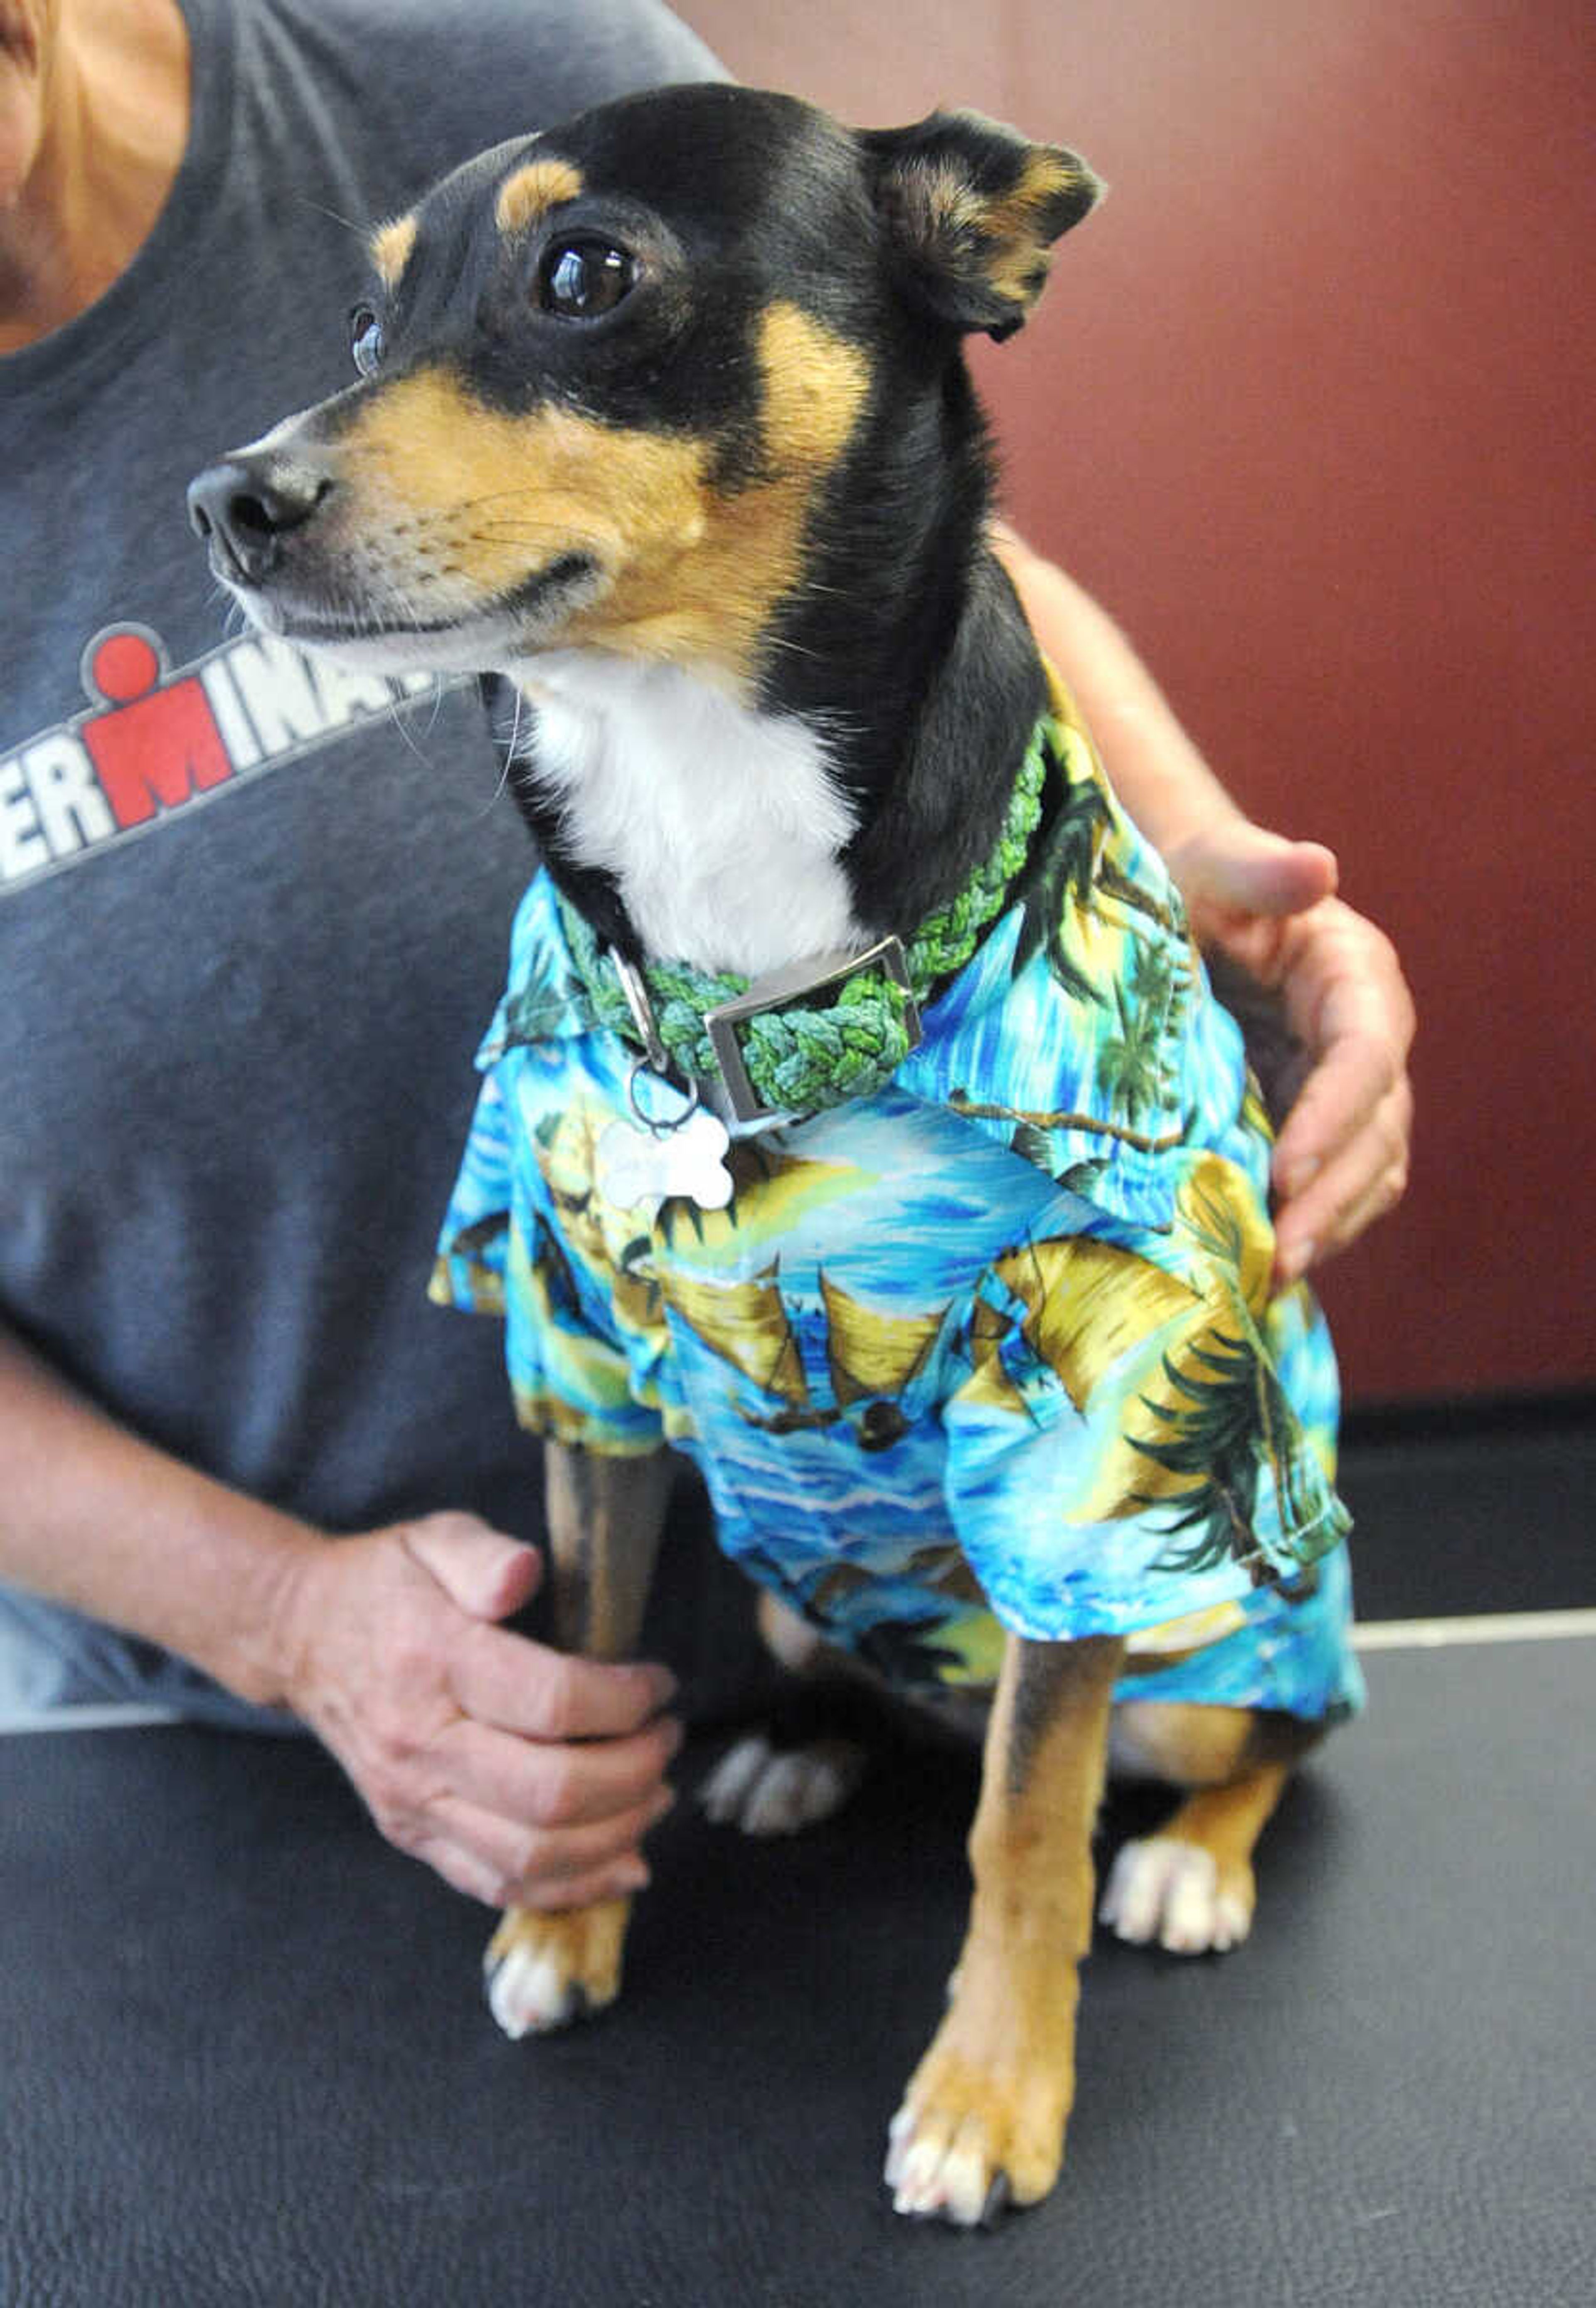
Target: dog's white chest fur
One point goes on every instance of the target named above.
(722, 826)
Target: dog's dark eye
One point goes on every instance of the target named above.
(578, 279)
(365, 339)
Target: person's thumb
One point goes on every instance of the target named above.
(1241, 869)
(486, 1574)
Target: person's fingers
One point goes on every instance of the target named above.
(1342, 974)
(559, 1783)
(513, 1866)
(1336, 1104)
(515, 1685)
(1349, 1003)
(474, 1747)
(614, 1881)
(486, 1574)
(1369, 1179)
(466, 1870)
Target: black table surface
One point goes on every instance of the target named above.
(243, 2056)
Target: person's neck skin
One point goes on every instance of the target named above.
(94, 105)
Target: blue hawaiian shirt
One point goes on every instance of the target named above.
(993, 1347)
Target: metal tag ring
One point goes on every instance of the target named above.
(652, 1122)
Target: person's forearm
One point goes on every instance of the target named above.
(95, 1518)
(1154, 766)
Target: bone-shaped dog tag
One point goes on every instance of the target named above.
(637, 1165)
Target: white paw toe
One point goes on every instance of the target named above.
(1170, 1892)
(768, 1791)
(934, 2177)
(728, 1786)
(527, 1994)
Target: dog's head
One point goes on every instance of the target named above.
(607, 374)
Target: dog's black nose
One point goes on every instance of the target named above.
(245, 506)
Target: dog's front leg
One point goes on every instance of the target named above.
(982, 2121)
(605, 1519)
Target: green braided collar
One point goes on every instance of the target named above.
(812, 1053)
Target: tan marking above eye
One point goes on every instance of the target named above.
(527, 196)
(693, 573)
(391, 249)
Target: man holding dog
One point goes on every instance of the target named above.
(239, 1005)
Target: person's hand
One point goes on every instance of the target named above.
(523, 1775)
(1269, 905)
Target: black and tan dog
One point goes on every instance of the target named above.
(663, 422)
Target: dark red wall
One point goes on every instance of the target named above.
(1308, 406)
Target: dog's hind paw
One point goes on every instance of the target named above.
(767, 1791)
(545, 1970)
(1177, 1893)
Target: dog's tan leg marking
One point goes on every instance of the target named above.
(1191, 1887)
(605, 1516)
(982, 2120)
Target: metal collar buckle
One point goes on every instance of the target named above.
(824, 972)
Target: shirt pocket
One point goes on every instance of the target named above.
(1069, 1035)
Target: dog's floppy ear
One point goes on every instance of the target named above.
(972, 209)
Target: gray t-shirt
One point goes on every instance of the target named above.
(253, 914)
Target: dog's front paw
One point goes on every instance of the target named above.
(1177, 1893)
(970, 2139)
(545, 1970)
(767, 1791)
